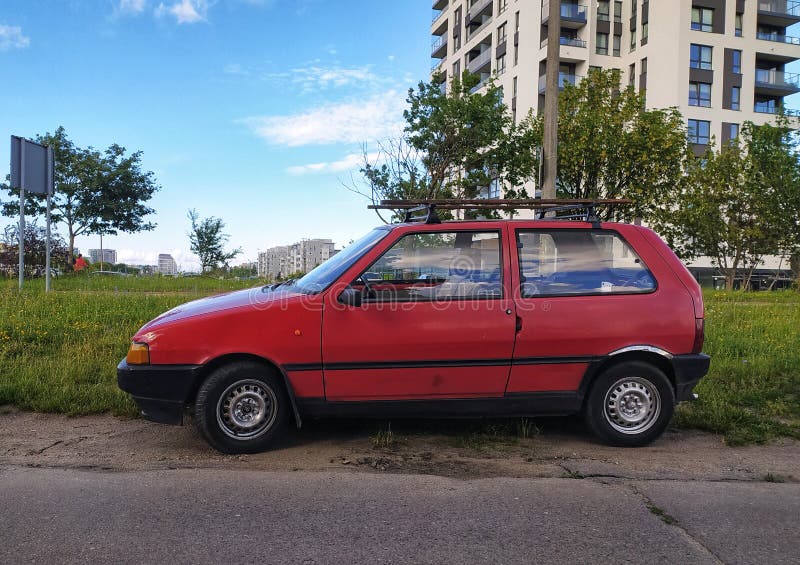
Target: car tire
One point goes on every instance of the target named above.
(630, 404)
(241, 407)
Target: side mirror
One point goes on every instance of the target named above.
(351, 297)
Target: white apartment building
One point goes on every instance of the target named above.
(104, 255)
(302, 256)
(166, 264)
(721, 62)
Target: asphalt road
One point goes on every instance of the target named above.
(234, 516)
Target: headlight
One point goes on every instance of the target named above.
(138, 354)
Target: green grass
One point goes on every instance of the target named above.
(752, 392)
(58, 353)
(59, 350)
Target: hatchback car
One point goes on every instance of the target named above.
(451, 319)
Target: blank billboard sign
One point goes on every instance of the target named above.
(31, 159)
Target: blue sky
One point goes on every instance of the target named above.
(250, 110)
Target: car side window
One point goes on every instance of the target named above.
(568, 262)
(436, 266)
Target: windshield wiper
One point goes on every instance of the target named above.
(273, 286)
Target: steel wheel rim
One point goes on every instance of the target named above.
(632, 405)
(246, 410)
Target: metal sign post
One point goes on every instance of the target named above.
(31, 170)
(50, 163)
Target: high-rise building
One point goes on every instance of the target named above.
(166, 264)
(721, 62)
(302, 256)
(105, 255)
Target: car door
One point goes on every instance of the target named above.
(436, 320)
(580, 294)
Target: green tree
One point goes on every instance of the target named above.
(739, 203)
(455, 144)
(35, 245)
(96, 192)
(610, 146)
(207, 241)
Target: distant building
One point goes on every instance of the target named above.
(166, 264)
(102, 255)
(302, 256)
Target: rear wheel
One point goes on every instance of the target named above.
(630, 404)
(240, 407)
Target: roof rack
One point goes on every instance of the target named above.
(425, 210)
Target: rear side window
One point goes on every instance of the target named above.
(436, 266)
(577, 262)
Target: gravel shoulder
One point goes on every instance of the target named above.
(559, 449)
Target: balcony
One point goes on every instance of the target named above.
(771, 108)
(567, 41)
(478, 7)
(439, 4)
(776, 83)
(563, 79)
(439, 24)
(573, 15)
(439, 48)
(780, 13)
(769, 36)
(480, 62)
(436, 15)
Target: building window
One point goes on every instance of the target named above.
(516, 21)
(702, 19)
(502, 5)
(645, 33)
(602, 44)
(736, 56)
(501, 64)
(700, 94)
(603, 11)
(617, 41)
(738, 25)
(514, 88)
(632, 74)
(733, 133)
(516, 55)
(736, 96)
(699, 132)
(633, 40)
(618, 11)
(501, 34)
(700, 57)
(457, 70)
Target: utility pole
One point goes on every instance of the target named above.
(550, 141)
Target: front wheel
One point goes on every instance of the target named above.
(630, 404)
(240, 408)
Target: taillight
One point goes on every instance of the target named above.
(699, 335)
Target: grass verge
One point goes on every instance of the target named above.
(58, 353)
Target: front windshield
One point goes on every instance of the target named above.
(320, 278)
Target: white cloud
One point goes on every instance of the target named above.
(130, 7)
(376, 118)
(314, 77)
(185, 11)
(11, 38)
(351, 161)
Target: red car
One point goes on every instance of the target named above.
(462, 318)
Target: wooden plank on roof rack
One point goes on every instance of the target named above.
(511, 203)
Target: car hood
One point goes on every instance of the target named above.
(257, 298)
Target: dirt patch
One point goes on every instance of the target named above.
(465, 449)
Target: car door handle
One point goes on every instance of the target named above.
(519, 324)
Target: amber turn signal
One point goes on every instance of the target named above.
(138, 354)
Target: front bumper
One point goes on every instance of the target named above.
(689, 369)
(160, 391)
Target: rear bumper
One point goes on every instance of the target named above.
(689, 369)
(160, 391)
